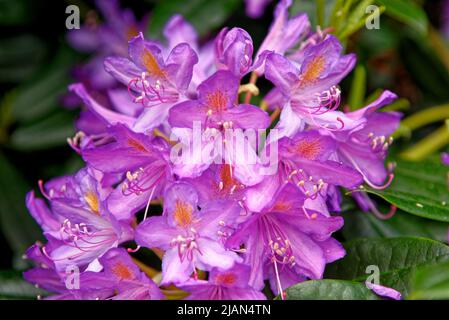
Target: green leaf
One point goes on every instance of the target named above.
(327, 289)
(408, 12)
(16, 224)
(360, 224)
(50, 132)
(14, 12)
(420, 189)
(39, 96)
(20, 57)
(396, 258)
(358, 88)
(205, 15)
(12, 286)
(357, 19)
(424, 67)
(431, 282)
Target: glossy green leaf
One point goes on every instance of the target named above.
(327, 289)
(431, 282)
(419, 188)
(12, 286)
(205, 15)
(360, 224)
(396, 258)
(408, 12)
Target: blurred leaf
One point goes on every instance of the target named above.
(205, 15)
(425, 68)
(397, 258)
(310, 8)
(17, 225)
(13, 12)
(420, 189)
(431, 282)
(408, 12)
(428, 145)
(12, 286)
(40, 95)
(360, 224)
(358, 88)
(328, 289)
(50, 132)
(357, 19)
(20, 57)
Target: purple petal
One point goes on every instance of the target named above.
(212, 254)
(179, 65)
(247, 116)
(173, 269)
(177, 30)
(281, 72)
(110, 117)
(384, 291)
(154, 232)
(41, 213)
(122, 69)
(219, 91)
(234, 50)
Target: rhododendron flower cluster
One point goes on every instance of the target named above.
(231, 222)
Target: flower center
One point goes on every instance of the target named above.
(308, 148)
(216, 101)
(227, 278)
(313, 70)
(92, 201)
(122, 271)
(150, 63)
(136, 145)
(183, 213)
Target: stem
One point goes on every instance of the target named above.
(320, 12)
(146, 269)
(358, 88)
(430, 144)
(275, 114)
(421, 119)
(252, 80)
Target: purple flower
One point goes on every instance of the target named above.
(234, 51)
(144, 163)
(311, 88)
(216, 107)
(284, 33)
(78, 227)
(365, 147)
(119, 279)
(306, 160)
(152, 79)
(129, 282)
(192, 237)
(110, 38)
(285, 243)
(231, 284)
(217, 111)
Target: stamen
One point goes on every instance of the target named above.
(144, 218)
(42, 189)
